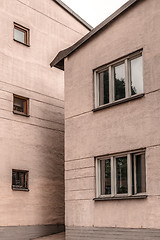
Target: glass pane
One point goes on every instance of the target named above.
(136, 76)
(121, 175)
(140, 173)
(19, 105)
(104, 87)
(19, 35)
(119, 82)
(106, 177)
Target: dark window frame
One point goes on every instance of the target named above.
(26, 32)
(20, 174)
(26, 110)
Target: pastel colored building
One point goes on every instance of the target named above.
(32, 115)
(112, 133)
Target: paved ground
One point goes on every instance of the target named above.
(58, 236)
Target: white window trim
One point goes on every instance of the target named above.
(126, 60)
(113, 174)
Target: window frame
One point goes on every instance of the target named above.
(27, 105)
(19, 188)
(113, 158)
(26, 32)
(110, 67)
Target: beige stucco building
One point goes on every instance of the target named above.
(32, 115)
(112, 134)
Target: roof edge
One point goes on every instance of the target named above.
(75, 15)
(64, 53)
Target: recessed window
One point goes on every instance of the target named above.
(20, 105)
(119, 80)
(19, 179)
(123, 174)
(21, 34)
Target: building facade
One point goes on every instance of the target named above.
(32, 115)
(112, 134)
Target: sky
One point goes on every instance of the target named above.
(94, 11)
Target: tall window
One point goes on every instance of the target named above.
(122, 174)
(21, 34)
(19, 179)
(20, 105)
(119, 80)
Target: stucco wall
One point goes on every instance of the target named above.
(124, 127)
(34, 143)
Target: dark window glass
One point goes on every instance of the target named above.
(106, 177)
(119, 82)
(19, 179)
(140, 173)
(136, 76)
(20, 104)
(104, 87)
(121, 175)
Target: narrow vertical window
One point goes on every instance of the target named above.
(121, 175)
(105, 166)
(21, 34)
(119, 82)
(139, 173)
(136, 76)
(104, 87)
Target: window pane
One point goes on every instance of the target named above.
(136, 76)
(121, 175)
(19, 35)
(140, 173)
(20, 105)
(119, 82)
(104, 87)
(106, 177)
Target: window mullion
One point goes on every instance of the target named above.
(129, 170)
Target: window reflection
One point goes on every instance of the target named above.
(19, 35)
(121, 175)
(119, 81)
(104, 87)
(136, 76)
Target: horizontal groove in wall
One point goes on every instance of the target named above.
(34, 99)
(90, 111)
(52, 129)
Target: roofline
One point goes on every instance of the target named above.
(75, 15)
(58, 61)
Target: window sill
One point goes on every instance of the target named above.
(21, 113)
(27, 45)
(118, 102)
(20, 189)
(120, 198)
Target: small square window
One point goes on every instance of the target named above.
(20, 105)
(21, 34)
(19, 179)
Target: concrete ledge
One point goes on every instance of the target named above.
(29, 232)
